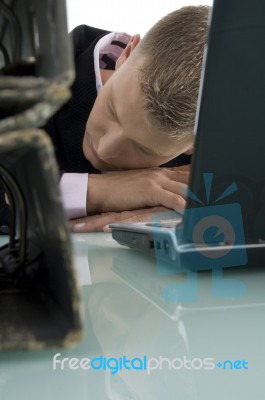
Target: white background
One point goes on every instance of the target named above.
(132, 16)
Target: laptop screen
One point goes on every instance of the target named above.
(229, 159)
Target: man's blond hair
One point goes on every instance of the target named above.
(170, 74)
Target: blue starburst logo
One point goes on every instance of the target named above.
(215, 240)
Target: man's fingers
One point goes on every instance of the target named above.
(179, 176)
(157, 214)
(176, 188)
(172, 200)
(96, 223)
(136, 218)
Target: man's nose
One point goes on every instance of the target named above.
(110, 146)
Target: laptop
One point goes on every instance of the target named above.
(223, 224)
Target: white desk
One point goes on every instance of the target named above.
(126, 315)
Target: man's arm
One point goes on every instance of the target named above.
(132, 196)
(139, 188)
(101, 222)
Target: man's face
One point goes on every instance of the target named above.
(118, 135)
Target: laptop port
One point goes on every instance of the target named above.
(166, 246)
(158, 246)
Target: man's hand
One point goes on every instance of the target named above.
(100, 222)
(140, 188)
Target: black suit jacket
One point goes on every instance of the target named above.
(66, 128)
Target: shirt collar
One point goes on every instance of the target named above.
(107, 51)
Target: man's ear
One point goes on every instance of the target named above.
(135, 39)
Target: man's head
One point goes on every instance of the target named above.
(144, 114)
